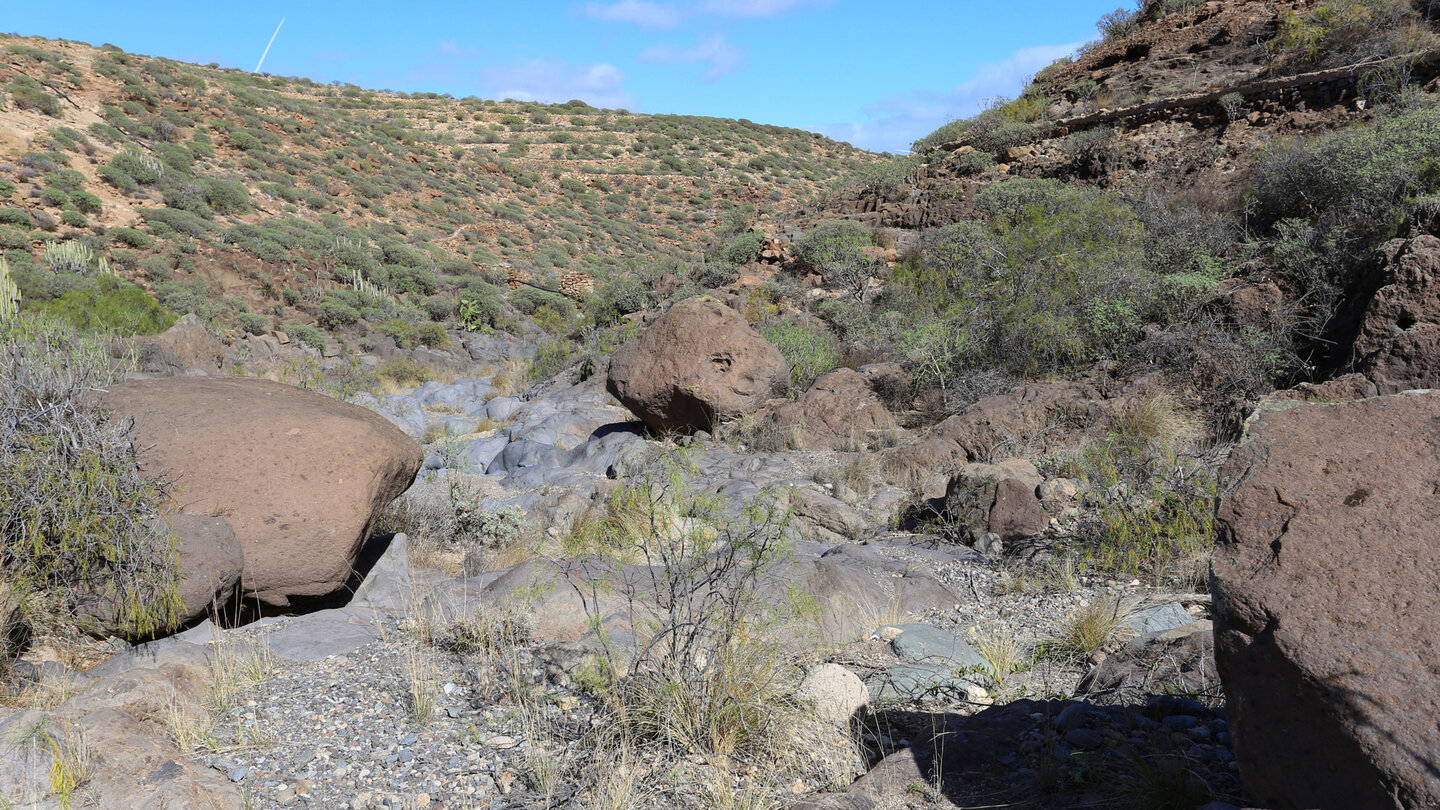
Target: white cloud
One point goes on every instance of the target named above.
(715, 51)
(639, 12)
(554, 80)
(893, 123)
(451, 47)
(647, 14)
(755, 8)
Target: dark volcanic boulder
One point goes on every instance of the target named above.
(1398, 346)
(299, 476)
(695, 366)
(1326, 581)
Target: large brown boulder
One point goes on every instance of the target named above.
(1398, 345)
(299, 476)
(996, 498)
(839, 412)
(696, 366)
(1326, 581)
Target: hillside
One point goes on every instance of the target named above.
(223, 192)
(1083, 458)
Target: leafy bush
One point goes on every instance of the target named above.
(742, 249)
(85, 201)
(405, 371)
(252, 323)
(551, 358)
(1154, 504)
(889, 179)
(131, 237)
(15, 216)
(79, 523)
(529, 300)
(140, 167)
(1118, 24)
(13, 238)
(1342, 32)
(108, 304)
(808, 349)
(307, 335)
(225, 196)
(433, 335)
(28, 94)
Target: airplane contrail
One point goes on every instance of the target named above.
(268, 44)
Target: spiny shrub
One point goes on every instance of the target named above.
(79, 524)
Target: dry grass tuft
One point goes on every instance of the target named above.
(420, 672)
(1092, 627)
(1003, 656)
(1158, 422)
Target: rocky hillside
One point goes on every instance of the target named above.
(227, 193)
(1073, 461)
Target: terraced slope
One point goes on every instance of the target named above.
(222, 191)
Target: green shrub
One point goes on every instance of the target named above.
(889, 179)
(742, 249)
(1118, 24)
(118, 178)
(551, 358)
(335, 313)
(225, 196)
(7, 188)
(252, 323)
(78, 520)
(832, 242)
(808, 349)
(142, 168)
(85, 201)
(405, 371)
(131, 238)
(28, 94)
(15, 216)
(74, 219)
(433, 335)
(1342, 32)
(529, 300)
(307, 335)
(108, 304)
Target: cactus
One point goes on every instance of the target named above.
(9, 293)
(68, 257)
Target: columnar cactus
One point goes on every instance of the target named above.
(9, 293)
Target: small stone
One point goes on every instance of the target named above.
(502, 742)
(1085, 738)
(1179, 722)
(237, 774)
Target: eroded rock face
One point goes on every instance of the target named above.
(187, 347)
(1326, 579)
(300, 477)
(839, 412)
(696, 366)
(1398, 346)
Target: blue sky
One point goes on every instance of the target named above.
(876, 74)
